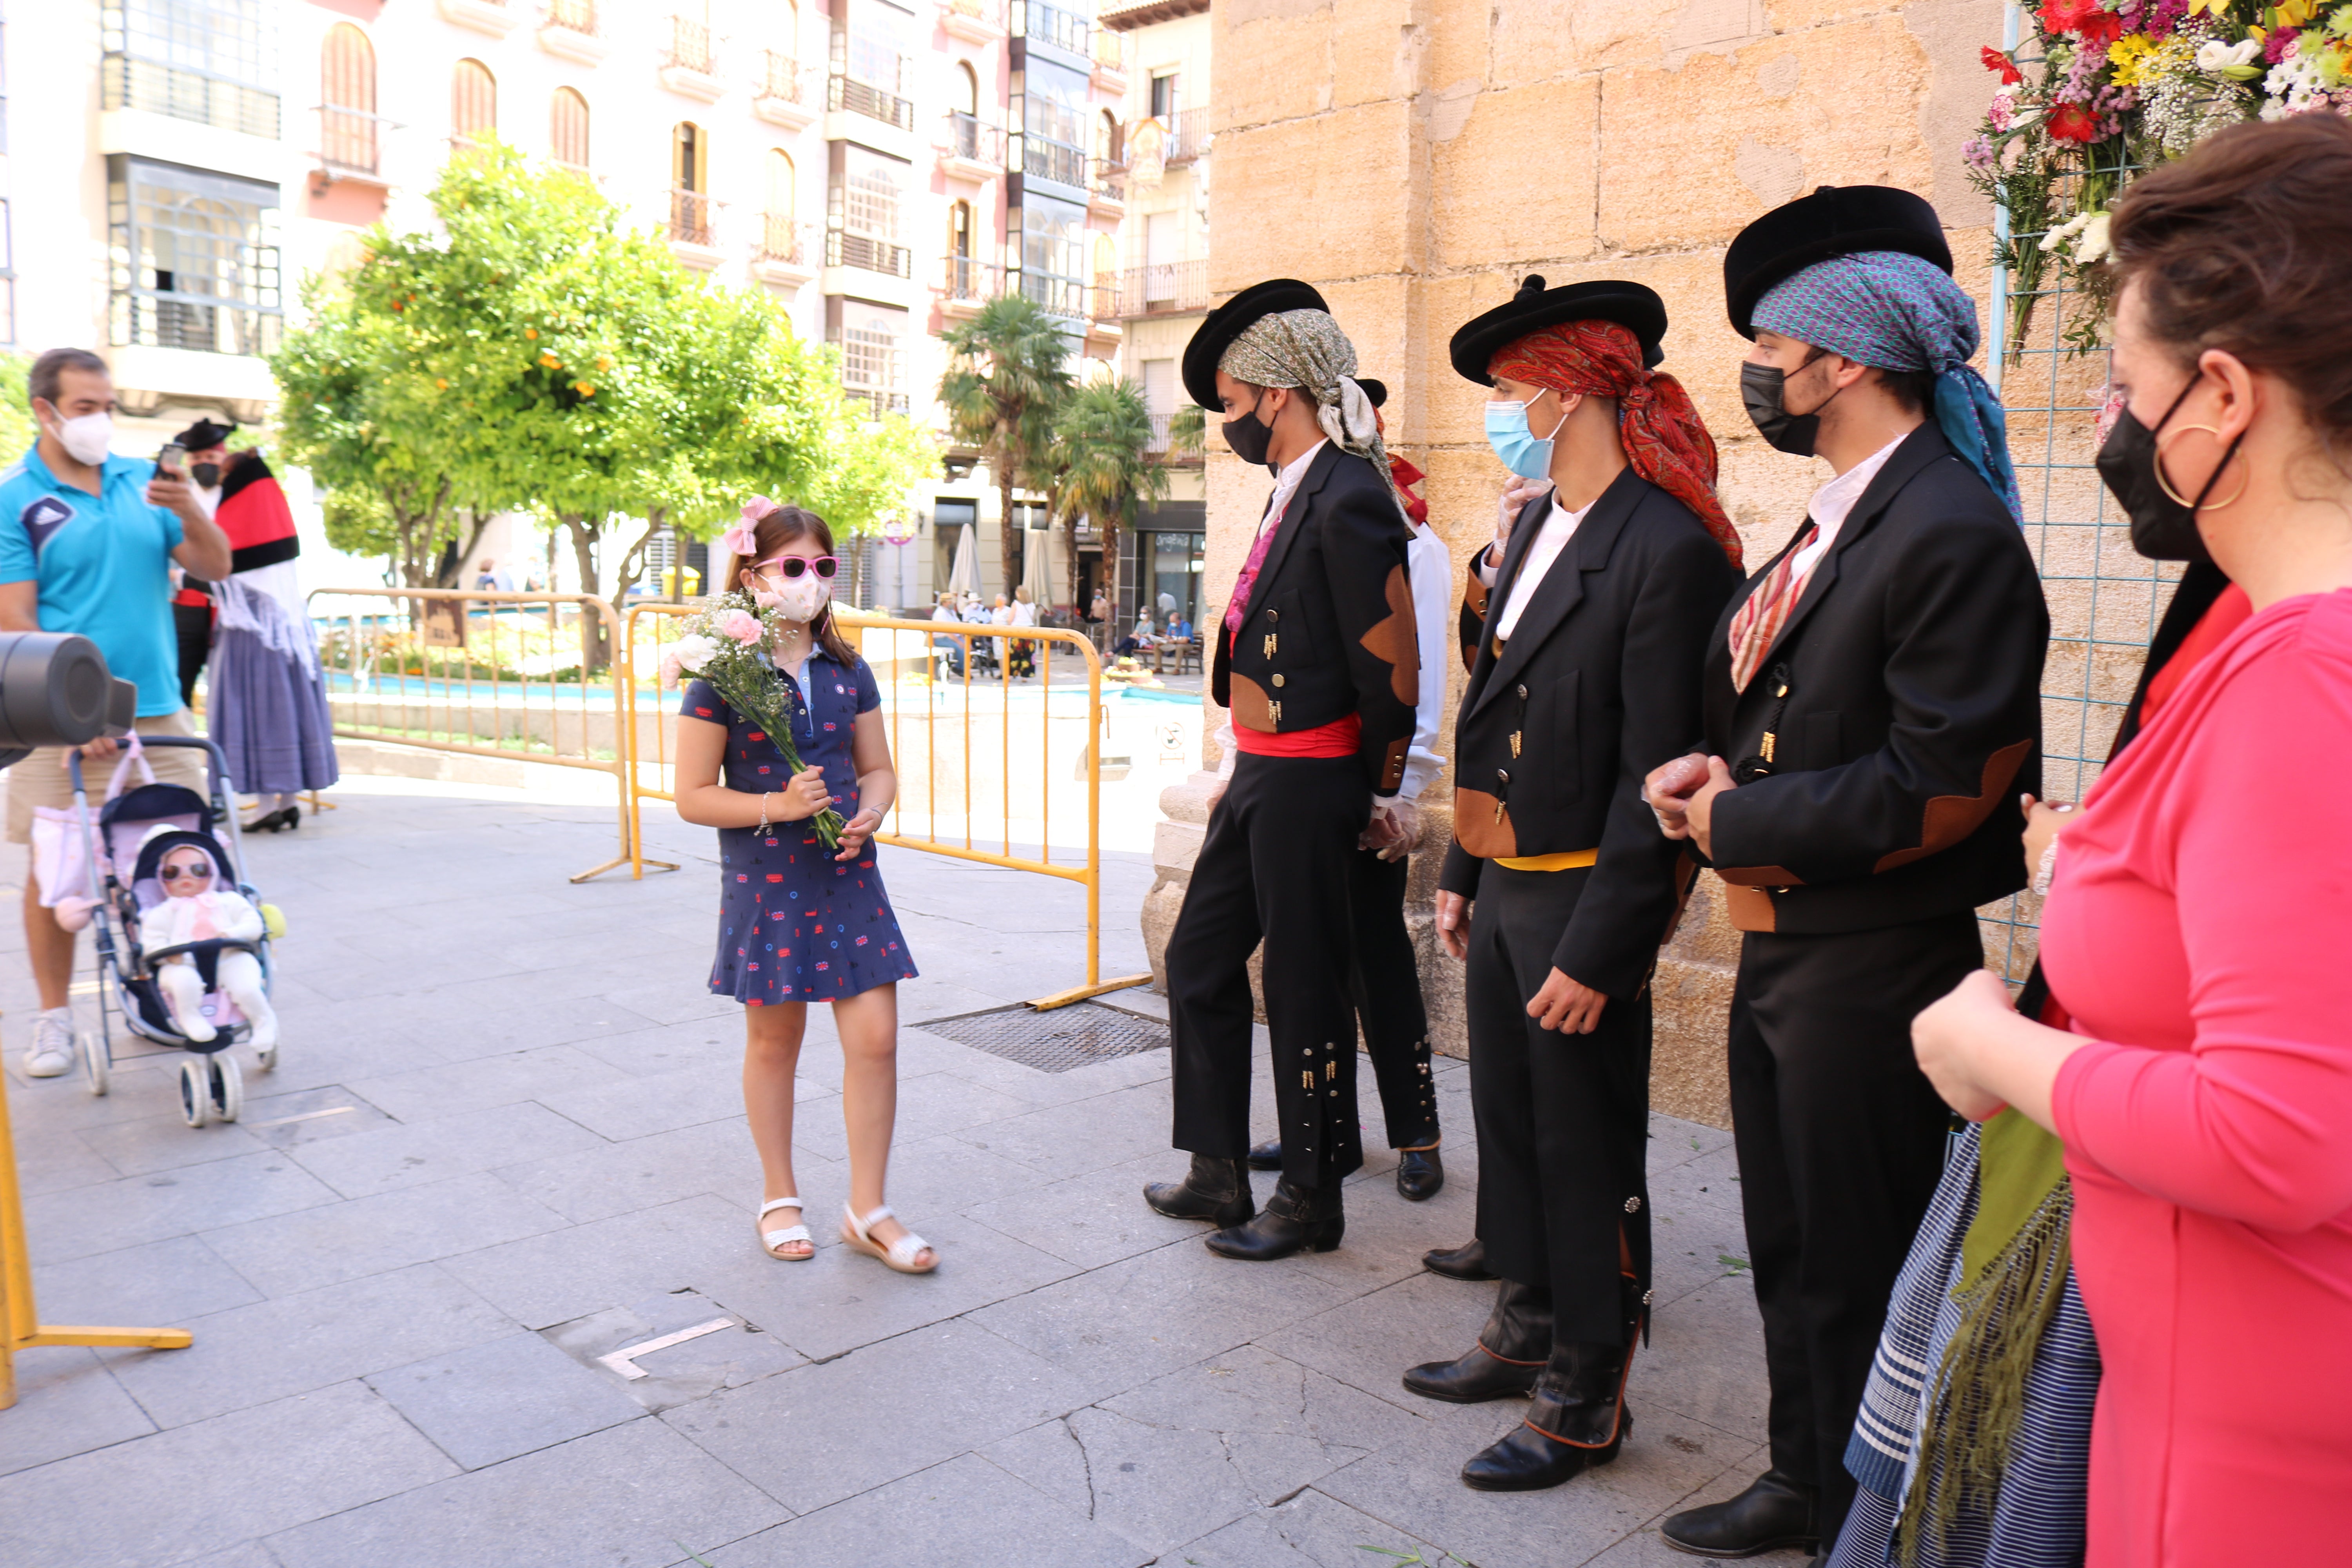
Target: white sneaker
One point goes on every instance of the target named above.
(51, 1054)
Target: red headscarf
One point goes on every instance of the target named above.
(1664, 440)
(1404, 476)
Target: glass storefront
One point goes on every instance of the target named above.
(1177, 571)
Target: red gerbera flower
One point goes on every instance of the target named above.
(1994, 60)
(2084, 18)
(2071, 122)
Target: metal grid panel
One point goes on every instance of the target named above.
(2104, 598)
(1067, 1038)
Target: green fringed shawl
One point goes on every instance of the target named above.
(2013, 1264)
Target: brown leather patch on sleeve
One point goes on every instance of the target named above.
(1393, 761)
(1759, 876)
(1251, 710)
(1748, 908)
(1952, 817)
(1473, 588)
(1393, 640)
(1482, 826)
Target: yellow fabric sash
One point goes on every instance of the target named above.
(1566, 860)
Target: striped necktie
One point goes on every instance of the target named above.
(1760, 620)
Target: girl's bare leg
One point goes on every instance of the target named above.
(868, 1026)
(772, 1056)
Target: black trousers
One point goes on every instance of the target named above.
(1841, 1141)
(1563, 1119)
(1274, 865)
(1386, 984)
(192, 628)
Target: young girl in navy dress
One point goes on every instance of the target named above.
(797, 924)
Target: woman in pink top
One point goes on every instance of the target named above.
(2200, 926)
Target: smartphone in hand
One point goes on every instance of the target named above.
(173, 461)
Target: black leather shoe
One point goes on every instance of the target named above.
(1213, 1190)
(1775, 1511)
(1468, 1261)
(1267, 1156)
(1577, 1420)
(1420, 1174)
(1297, 1219)
(1504, 1363)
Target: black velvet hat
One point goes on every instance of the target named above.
(1375, 391)
(205, 434)
(1230, 320)
(1535, 307)
(1835, 220)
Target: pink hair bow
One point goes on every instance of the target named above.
(740, 539)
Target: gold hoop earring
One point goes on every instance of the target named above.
(2164, 481)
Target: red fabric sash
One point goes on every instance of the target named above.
(1340, 738)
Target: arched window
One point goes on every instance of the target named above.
(689, 179)
(967, 88)
(1106, 138)
(568, 128)
(347, 89)
(473, 101)
(960, 229)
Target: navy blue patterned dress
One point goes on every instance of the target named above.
(795, 924)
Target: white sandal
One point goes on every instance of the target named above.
(899, 1254)
(771, 1239)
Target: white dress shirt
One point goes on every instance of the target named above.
(1834, 501)
(1430, 569)
(1551, 539)
(1285, 485)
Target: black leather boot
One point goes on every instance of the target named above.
(1213, 1190)
(1578, 1419)
(1420, 1174)
(1503, 1365)
(1297, 1219)
(1267, 1156)
(1468, 1261)
(1775, 1511)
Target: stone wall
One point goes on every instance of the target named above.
(1415, 160)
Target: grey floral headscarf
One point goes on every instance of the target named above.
(1306, 348)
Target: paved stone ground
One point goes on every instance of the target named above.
(535, 1156)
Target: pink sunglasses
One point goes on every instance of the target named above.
(793, 566)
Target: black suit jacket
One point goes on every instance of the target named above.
(1329, 629)
(1600, 682)
(1910, 719)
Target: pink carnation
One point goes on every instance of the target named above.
(742, 624)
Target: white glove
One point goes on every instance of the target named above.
(1394, 830)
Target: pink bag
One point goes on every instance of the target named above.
(61, 866)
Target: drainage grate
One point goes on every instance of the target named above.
(1067, 1038)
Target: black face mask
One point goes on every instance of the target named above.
(206, 475)
(2163, 526)
(1249, 437)
(1763, 389)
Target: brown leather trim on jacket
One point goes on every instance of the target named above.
(1393, 642)
(1748, 908)
(1251, 710)
(1759, 876)
(1480, 829)
(1393, 761)
(1952, 817)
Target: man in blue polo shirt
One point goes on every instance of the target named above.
(87, 543)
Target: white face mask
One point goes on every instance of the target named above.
(802, 598)
(89, 439)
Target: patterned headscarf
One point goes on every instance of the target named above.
(1666, 441)
(1306, 348)
(1897, 311)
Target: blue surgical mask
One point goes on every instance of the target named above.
(1515, 444)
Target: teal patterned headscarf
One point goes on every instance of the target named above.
(1897, 311)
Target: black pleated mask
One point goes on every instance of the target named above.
(2163, 526)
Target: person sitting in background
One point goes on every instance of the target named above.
(950, 646)
(1140, 640)
(2196, 923)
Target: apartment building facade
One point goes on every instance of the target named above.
(880, 168)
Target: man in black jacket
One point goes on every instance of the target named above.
(1586, 677)
(1872, 701)
(1316, 660)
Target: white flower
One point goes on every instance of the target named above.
(2094, 245)
(2217, 58)
(2064, 231)
(693, 651)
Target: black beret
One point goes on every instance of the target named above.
(1835, 220)
(1230, 320)
(205, 434)
(1535, 307)
(1375, 391)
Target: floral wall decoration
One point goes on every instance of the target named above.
(2103, 88)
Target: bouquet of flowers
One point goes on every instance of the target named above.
(2106, 87)
(725, 644)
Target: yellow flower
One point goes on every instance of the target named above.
(2295, 13)
(2129, 57)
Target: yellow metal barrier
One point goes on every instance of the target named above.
(906, 659)
(490, 674)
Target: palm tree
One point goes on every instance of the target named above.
(1102, 439)
(1008, 373)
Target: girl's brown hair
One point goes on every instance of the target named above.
(780, 526)
(2245, 245)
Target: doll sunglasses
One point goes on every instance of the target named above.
(795, 567)
(185, 871)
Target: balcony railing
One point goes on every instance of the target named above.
(1109, 179)
(972, 138)
(968, 278)
(783, 79)
(1051, 24)
(350, 141)
(843, 248)
(1170, 286)
(573, 16)
(127, 81)
(1057, 161)
(1163, 446)
(989, 11)
(689, 46)
(784, 240)
(1102, 301)
(693, 216)
(848, 93)
(880, 399)
(1188, 135)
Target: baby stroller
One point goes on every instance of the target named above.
(126, 834)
